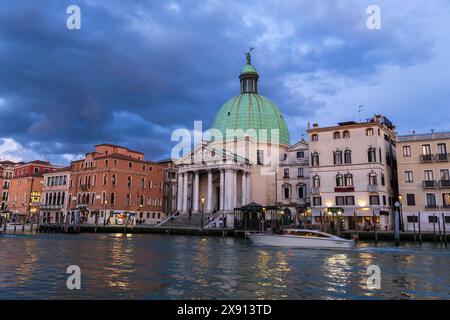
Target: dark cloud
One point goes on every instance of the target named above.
(138, 70)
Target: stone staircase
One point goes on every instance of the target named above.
(183, 221)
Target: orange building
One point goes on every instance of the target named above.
(113, 184)
(26, 187)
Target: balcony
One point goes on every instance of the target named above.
(5, 187)
(426, 158)
(286, 176)
(446, 207)
(444, 184)
(344, 189)
(431, 207)
(442, 157)
(85, 187)
(429, 184)
(373, 188)
(51, 206)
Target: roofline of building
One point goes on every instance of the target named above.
(117, 146)
(424, 136)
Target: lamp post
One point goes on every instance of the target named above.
(397, 223)
(203, 204)
(140, 211)
(104, 211)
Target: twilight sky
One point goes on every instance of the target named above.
(137, 70)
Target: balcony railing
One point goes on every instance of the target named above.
(446, 206)
(426, 158)
(444, 184)
(373, 188)
(442, 157)
(429, 184)
(432, 206)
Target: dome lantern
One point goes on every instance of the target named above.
(249, 76)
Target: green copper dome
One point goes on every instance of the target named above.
(252, 111)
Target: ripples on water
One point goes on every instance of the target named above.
(129, 266)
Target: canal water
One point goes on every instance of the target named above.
(119, 266)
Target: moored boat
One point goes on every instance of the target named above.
(298, 238)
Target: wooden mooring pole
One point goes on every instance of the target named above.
(420, 230)
(443, 229)
(356, 227)
(439, 229)
(414, 226)
(434, 227)
(374, 218)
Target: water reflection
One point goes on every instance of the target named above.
(176, 267)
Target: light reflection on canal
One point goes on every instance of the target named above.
(131, 266)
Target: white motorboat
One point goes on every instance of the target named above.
(298, 238)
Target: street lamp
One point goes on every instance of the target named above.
(203, 204)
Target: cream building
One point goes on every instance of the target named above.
(55, 196)
(237, 164)
(293, 186)
(352, 171)
(424, 180)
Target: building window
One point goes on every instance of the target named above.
(383, 180)
(433, 219)
(315, 159)
(410, 199)
(114, 180)
(346, 134)
(412, 219)
(337, 157)
(286, 192)
(129, 181)
(112, 198)
(347, 156)
(340, 201)
(301, 191)
(426, 149)
(374, 200)
(446, 200)
(428, 175)
(372, 154)
(409, 176)
(445, 176)
(407, 151)
(349, 180)
(431, 200)
(339, 180)
(350, 200)
(316, 181)
(300, 154)
(142, 183)
(128, 200)
(336, 135)
(286, 173)
(130, 164)
(315, 137)
(300, 173)
(317, 201)
(441, 149)
(369, 132)
(259, 157)
(373, 179)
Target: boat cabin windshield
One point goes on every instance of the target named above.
(305, 233)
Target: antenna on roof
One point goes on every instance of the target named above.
(360, 108)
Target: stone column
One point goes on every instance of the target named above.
(244, 187)
(180, 192)
(209, 194)
(185, 191)
(234, 190)
(222, 187)
(249, 188)
(227, 194)
(196, 192)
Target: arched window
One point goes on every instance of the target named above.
(337, 135)
(104, 179)
(372, 155)
(315, 137)
(348, 156)
(369, 132)
(373, 179)
(113, 180)
(337, 157)
(142, 183)
(113, 198)
(349, 180)
(339, 180)
(129, 181)
(315, 159)
(346, 134)
(142, 201)
(128, 200)
(286, 191)
(316, 181)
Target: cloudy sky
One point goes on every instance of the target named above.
(137, 70)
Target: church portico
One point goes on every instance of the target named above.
(222, 188)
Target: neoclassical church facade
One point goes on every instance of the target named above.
(237, 165)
